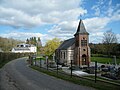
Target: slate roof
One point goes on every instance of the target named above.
(81, 28)
(21, 48)
(67, 43)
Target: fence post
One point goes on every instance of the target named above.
(47, 61)
(95, 71)
(57, 66)
(71, 68)
(35, 60)
(40, 62)
(31, 60)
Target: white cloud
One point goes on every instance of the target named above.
(96, 24)
(64, 30)
(63, 13)
(118, 37)
(41, 6)
(96, 37)
(23, 36)
(97, 10)
(31, 13)
(17, 18)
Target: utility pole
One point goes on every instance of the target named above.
(95, 71)
(114, 60)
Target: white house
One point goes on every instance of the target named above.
(24, 48)
(1, 50)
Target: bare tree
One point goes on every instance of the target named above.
(109, 41)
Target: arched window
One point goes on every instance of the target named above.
(64, 55)
(84, 61)
(61, 54)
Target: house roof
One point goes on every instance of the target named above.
(81, 28)
(67, 43)
(25, 45)
(21, 48)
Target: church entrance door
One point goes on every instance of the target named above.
(84, 61)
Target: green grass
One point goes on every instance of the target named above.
(40, 58)
(104, 60)
(3, 63)
(99, 85)
(116, 81)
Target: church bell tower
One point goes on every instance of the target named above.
(82, 50)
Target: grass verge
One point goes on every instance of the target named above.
(3, 63)
(104, 60)
(101, 78)
(99, 85)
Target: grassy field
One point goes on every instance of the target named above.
(104, 60)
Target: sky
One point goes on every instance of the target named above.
(47, 19)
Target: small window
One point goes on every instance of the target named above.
(84, 50)
(22, 45)
(61, 54)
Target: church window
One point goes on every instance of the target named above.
(61, 54)
(84, 50)
(83, 42)
(64, 55)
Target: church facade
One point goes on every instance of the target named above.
(75, 49)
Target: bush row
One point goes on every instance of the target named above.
(8, 56)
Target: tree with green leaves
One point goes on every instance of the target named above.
(51, 46)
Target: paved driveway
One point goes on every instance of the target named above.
(16, 75)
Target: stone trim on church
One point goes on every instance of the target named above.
(76, 49)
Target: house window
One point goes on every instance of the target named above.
(64, 55)
(61, 54)
(83, 42)
(22, 45)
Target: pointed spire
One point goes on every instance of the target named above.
(81, 28)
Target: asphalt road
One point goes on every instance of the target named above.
(16, 75)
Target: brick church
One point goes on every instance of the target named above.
(75, 49)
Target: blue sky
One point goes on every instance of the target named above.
(22, 19)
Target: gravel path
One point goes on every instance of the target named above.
(16, 75)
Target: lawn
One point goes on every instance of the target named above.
(40, 58)
(104, 60)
